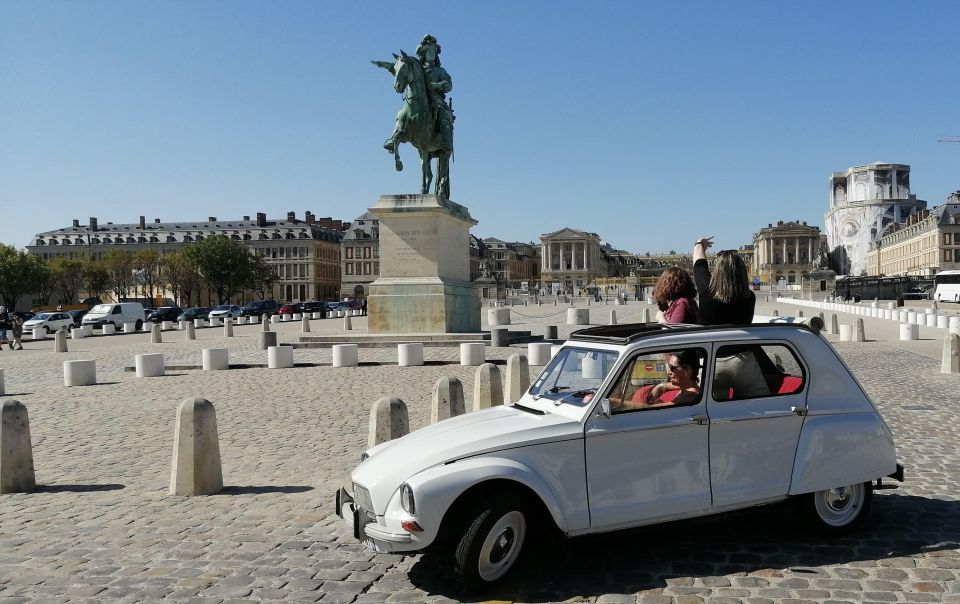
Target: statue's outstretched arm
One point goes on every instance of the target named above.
(385, 65)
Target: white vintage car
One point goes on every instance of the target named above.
(632, 425)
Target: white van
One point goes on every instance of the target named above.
(118, 314)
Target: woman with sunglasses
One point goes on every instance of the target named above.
(682, 385)
(725, 295)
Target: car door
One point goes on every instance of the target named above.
(646, 462)
(756, 405)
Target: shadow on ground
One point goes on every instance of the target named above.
(259, 490)
(78, 488)
(770, 538)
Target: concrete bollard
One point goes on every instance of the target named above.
(182, 325)
(499, 337)
(645, 316)
(518, 377)
(38, 334)
(198, 323)
(108, 329)
(166, 325)
(931, 320)
(16, 450)
(447, 400)
(149, 365)
(265, 325)
(79, 373)
(284, 318)
(228, 328)
(943, 321)
(60, 341)
(77, 333)
(471, 353)
(539, 353)
(129, 328)
(155, 337)
(276, 319)
(909, 331)
(799, 313)
(410, 354)
(388, 420)
(347, 325)
(954, 325)
(776, 312)
(487, 387)
(280, 357)
(305, 324)
(578, 316)
(951, 354)
(296, 317)
(551, 332)
(613, 317)
(345, 355)
(214, 322)
(241, 320)
(859, 335)
(190, 333)
(216, 359)
(316, 315)
(196, 450)
(498, 316)
(846, 333)
(266, 339)
(87, 330)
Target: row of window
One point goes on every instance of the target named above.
(361, 252)
(361, 268)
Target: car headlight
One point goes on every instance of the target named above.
(406, 499)
(362, 497)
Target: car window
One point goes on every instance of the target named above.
(574, 375)
(664, 378)
(117, 310)
(748, 371)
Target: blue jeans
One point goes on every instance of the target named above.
(3, 335)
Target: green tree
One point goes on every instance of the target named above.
(223, 264)
(119, 265)
(262, 277)
(44, 283)
(18, 271)
(68, 277)
(96, 278)
(180, 275)
(147, 268)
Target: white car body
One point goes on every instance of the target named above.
(594, 471)
(49, 322)
(117, 314)
(225, 310)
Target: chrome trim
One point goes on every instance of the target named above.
(377, 533)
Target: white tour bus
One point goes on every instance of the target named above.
(947, 286)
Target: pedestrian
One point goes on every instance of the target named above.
(725, 295)
(17, 333)
(363, 307)
(674, 295)
(4, 327)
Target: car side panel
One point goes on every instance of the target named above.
(842, 449)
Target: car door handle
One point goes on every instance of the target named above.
(701, 420)
(799, 410)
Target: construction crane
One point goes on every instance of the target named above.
(948, 139)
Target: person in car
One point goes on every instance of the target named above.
(682, 385)
(725, 295)
(674, 294)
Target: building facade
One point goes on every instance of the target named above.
(514, 265)
(360, 255)
(929, 242)
(785, 253)
(866, 202)
(570, 260)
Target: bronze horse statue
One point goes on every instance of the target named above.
(417, 124)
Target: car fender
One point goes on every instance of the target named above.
(437, 488)
(837, 450)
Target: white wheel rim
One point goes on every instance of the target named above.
(502, 545)
(840, 506)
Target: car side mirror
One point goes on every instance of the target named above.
(605, 407)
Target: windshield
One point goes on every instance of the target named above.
(223, 307)
(100, 309)
(574, 375)
(41, 316)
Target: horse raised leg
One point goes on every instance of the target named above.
(443, 174)
(425, 158)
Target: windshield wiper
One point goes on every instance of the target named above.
(528, 409)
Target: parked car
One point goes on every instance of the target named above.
(164, 313)
(197, 312)
(616, 432)
(291, 308)
(915, 293)
(49, 322)
(77, 316)
(116, 314)
(225, 310)
(313, 306)
(259, 307)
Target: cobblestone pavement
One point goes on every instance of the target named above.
(102, 526)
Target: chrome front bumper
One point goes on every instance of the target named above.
(367, 530)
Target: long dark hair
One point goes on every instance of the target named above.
(729, 281)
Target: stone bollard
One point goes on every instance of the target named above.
(931, 320)
(776, 312)
(166, 325)
(471, 353)
(951, 354)
(498, 316)
(108, 329)
(645, 316)
(296, 317)
(149, 365)
(499, 337)
(77, 333)
(305, 324)
(410, 354)
(60, 341)
(214, 322)
(87, 330)
(265, 325)
(198, 323)
(155, 337)
(345, 355)
(388, 420)
(280, 357)
(487, 387)
(846, 333)
(16, 450)
(578, 316)
(347, 325)
(196, 450)
(216, 359)
(37, 334)
(799, 313)
(276, 319)
(551, 332)
(613, 317)
(266, 339)
(909, 331)
(539, 353)
(447, 400)
(228, 328)
(518, 377)
(943, 321)
(79, 373)
(191, 333)
(129, 328)
(859, 335)
(182, 325)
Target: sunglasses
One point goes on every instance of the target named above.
(674, 368)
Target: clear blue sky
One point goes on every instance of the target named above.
(650, 123)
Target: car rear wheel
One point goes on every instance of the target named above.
(492, 541)
(46, 329)
(840, 510)
(139, 324)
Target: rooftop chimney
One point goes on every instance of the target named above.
(308, 217)
(291, 216)
(76, 223)
(156, 221)
(143, 222)
(247, 218)
(211, 218)
(261, 219)
(93, 223)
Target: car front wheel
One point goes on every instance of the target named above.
(492, 541)
(46, 329)
(840, 510)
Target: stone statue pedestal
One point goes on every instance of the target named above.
(424, 284)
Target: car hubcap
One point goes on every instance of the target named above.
(502, 546)
(840, 506)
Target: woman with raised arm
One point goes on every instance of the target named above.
(725, 294)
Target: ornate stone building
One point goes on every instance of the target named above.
(786, 251)
(360, 257)
(866, 202)
(571, 260)
(513, 264)
(929, 242)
